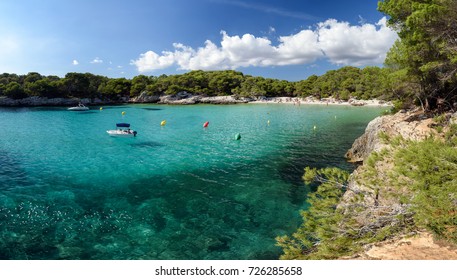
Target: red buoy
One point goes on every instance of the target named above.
(206, 124)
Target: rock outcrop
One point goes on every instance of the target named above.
(185, 98)
(419, 247)
(181, 98)
(380, 204)
(408, 125)
(44, 101)
(144, 97)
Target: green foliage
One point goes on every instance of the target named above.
(347, 82)
(422, 185)
(427, 49)
(451, 135)
(321, 220)
(440, 119)
(430, 170)
(115, 88)
(14, 90)
(44, 88)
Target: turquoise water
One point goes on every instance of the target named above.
(181, 191)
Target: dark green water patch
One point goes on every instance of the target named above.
(12, 174)
(173, 192)
(146, 144)
(152, 109)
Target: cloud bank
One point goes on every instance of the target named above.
(338, 42)
(96, 61)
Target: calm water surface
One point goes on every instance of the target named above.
(181, 191)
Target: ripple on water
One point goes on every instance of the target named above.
(69, 191)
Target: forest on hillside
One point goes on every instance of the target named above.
(420, 69)
(344, 83)
(412, 183)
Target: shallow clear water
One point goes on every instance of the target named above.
(181, 191)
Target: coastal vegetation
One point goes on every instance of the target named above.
(409, 185)
(344, 83)
(418, 192)
(402, 189)
(424, 57)
(420, 69)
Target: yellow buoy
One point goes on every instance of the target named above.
(101, 108)
(123, 113)
(164, 122)
(314, 127)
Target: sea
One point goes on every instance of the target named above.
(178, 191)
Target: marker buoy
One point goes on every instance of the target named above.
(314, 127)
(101, 108)
(123, 113)
(237, 136)
(268, 122)
(206, 124)
(164, 122)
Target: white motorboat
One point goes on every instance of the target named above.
(122, 130)
(80, 107)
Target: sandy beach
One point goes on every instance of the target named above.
(324, 101)
(185, 98)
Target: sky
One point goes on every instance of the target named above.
(286, 39)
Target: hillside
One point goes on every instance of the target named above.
(417, 240)
(404, 188)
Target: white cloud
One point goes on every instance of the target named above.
(355, 45)
(96, 61)
(301, 48)
(75, 62)
(338, 42)
(151, 61)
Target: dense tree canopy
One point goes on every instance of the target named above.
(426, 53)
(344, 83)
(421, 67)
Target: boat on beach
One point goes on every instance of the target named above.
(122, 130)
(80, 107)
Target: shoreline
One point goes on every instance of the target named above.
(323, 101)
(187, 99)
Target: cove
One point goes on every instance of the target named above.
(177, 191)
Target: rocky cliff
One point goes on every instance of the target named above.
(378, 202)
(182, 98)
(413, 125)
(44, 101)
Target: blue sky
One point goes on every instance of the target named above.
(277, 39)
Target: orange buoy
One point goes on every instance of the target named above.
(206, 124)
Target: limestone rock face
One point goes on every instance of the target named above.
(410, 126)
(184, 98)
(366, 143)
(144, 97)
(44, 101)
(453, 119)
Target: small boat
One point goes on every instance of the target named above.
(80, 107)
(122, 130)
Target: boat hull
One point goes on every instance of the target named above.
(78, 109)
(120, 133)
